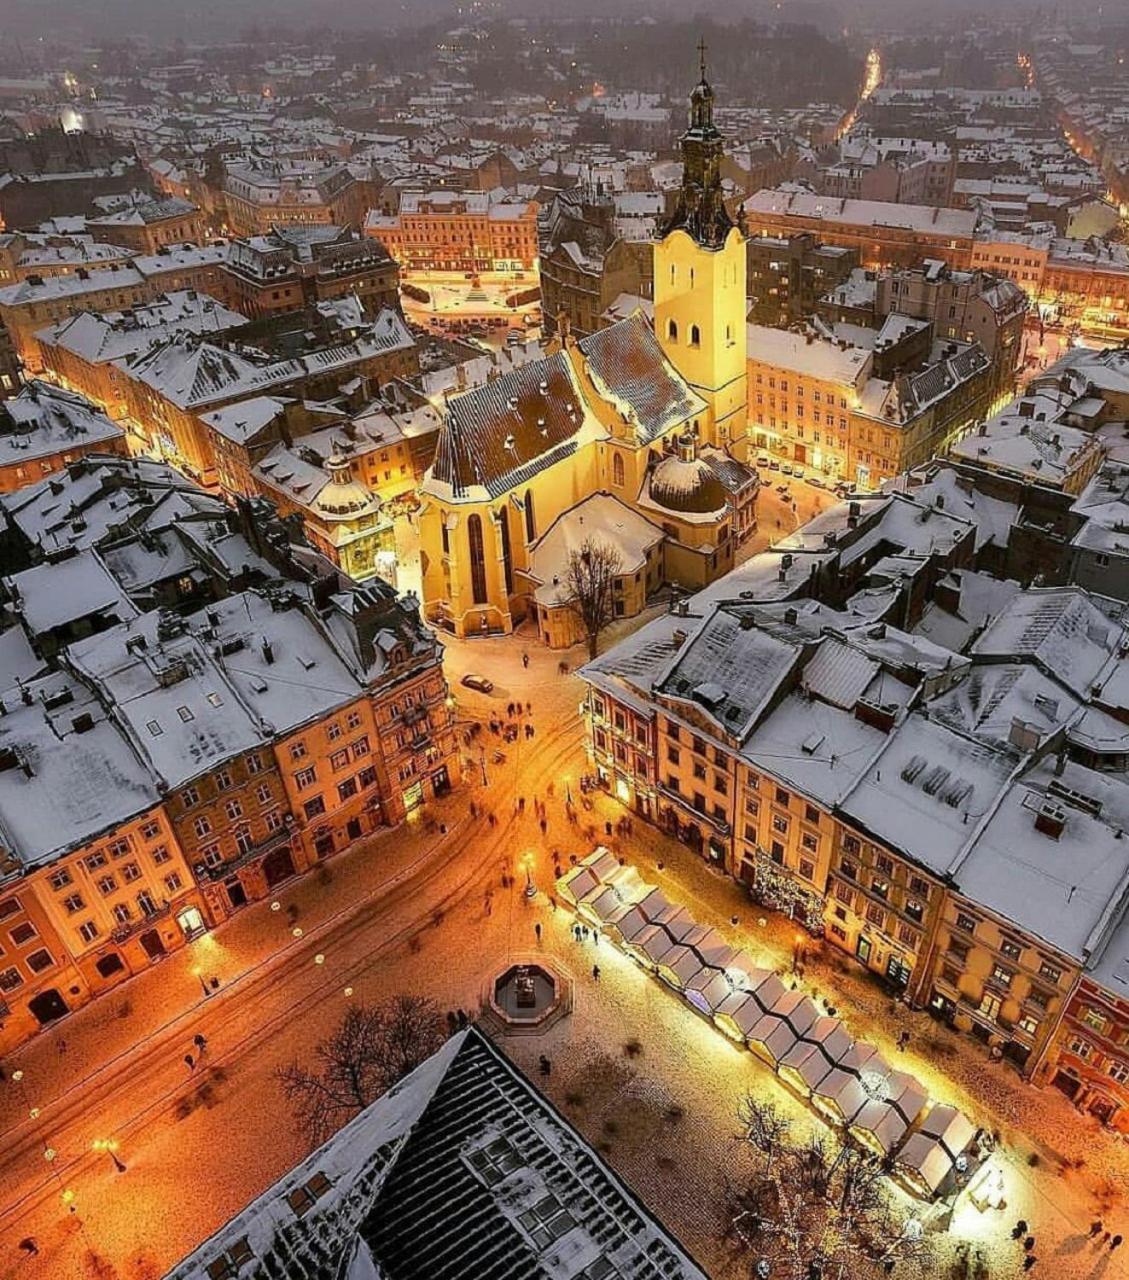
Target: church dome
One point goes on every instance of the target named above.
(689, 487)
(343, 497)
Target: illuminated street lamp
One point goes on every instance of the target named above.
(198, 973)
(110, 1147)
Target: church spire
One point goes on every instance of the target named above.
(701, 210)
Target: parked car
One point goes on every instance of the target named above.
(762, 460)
(817, 482)
(798, 472)
(786, 468)
(774, 465)
(480, 683)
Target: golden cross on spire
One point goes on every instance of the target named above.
(702, 55)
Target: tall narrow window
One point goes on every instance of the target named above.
(617, 469)
(530, 522)
(477, 558)
(507, 556)
(695, 336)
(672, 330)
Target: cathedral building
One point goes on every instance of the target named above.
(655, 417)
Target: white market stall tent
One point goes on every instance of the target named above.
(847, 1082)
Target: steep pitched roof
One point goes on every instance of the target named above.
(500, 434)
(460, 1172)
(629, 369)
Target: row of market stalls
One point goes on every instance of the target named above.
(847, 1082)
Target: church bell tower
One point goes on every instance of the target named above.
(700, 275)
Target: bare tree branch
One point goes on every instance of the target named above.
(590, 582)
(371, 1048)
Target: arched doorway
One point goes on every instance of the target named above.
(278, 866)
(151, 944)
(47, 1006)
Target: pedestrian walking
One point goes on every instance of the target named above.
(1029, 1262)
(521, 804)
(1105, 1237)
(525, 659)
(607, 828)
(537, 931)
(492, 820)
(596, 973)
(1028, 1244)
(61, 1046)
(1115, 1243)
(200, 1041)
(528, 708)
(545, 1065)
(190, 1062)
(1095, 1227)
(903, 1039)
(544, 826)
(473, 810)
(1020, 1229)
(28, 1246)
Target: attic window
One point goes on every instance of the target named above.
(185, 714)
(546, 1222)
(215, 699)
(154, 728)
(495, 1161)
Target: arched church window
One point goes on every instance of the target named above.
(695, 336)
(477, 559)
(672, 330)
(530, 522)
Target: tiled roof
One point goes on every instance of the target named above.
(508, 430)
(628, 368)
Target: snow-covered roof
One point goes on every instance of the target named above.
(463, 1145)
(608, 522)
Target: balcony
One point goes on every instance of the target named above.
(126, 931)
(275, 840)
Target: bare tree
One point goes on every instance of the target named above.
(590, 582)
(371, 1048)
(763, 1125)
(804, 1213)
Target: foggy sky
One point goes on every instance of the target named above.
(204, 20)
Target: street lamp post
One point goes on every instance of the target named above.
(482, 764)
(530, 887)
(203, 985)
(110, 1146)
